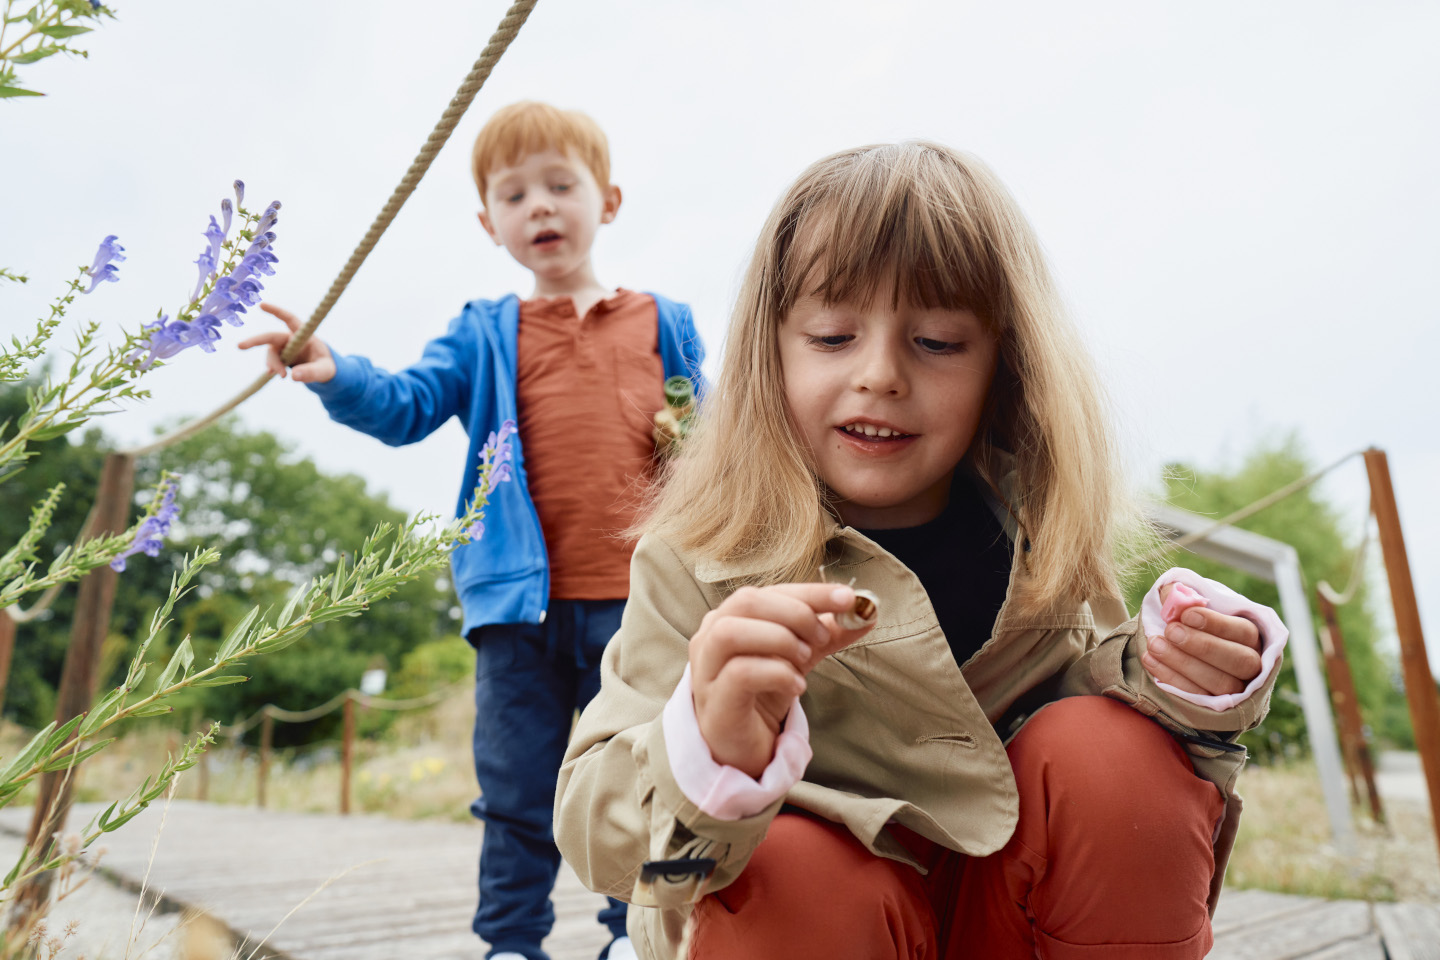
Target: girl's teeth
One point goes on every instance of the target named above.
(884, 431)
(869, 430)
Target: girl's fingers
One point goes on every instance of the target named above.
(791, 609)
(732, 638)
(1230, 656)
(1166, 674)
(290, 320)
(1235, 629)
(1209, 678)
(745, 677)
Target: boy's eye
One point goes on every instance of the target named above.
(515, 198)
(938, 346)
(830, 342)
(560, 187)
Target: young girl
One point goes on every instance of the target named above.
(903, 409)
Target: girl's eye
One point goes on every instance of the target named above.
(830, 342)
(560, 187)
(938, 346)
(515, 198)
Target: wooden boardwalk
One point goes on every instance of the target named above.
(407, 889)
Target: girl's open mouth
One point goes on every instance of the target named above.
(549, 236)
(863, 432)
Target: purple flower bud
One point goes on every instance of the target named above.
(475, 531)
(239, 193)
(229, 211)
(102, 269)
(268, 218)
(216, 236)
(206, 263)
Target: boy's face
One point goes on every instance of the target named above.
(545, 210)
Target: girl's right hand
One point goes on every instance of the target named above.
(749, 659)
(315, 364)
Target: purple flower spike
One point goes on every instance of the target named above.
(149, 538)
(103, 267)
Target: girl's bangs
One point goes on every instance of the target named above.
(907, 223)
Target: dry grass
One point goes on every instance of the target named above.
(1284, 843)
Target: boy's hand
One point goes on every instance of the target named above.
(313, 365)
(1205, 652)
(749, 659)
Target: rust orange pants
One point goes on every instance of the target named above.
(1111, 860)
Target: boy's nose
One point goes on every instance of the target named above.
(542, 207)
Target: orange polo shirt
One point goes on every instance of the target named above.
(587, 391)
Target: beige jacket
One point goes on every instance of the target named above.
(899, 731)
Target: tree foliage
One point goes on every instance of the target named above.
(1326, 539)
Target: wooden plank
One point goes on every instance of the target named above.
(1367, 947)
(1411, 930)
(1242, 908)
(1296, 935)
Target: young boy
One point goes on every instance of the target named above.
(580, 367)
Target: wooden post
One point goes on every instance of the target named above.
(7, 650)
(1347, 707)
(267, 733)
(1420, 689)
(93, 602)
(347, 755)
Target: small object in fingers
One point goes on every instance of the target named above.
(862, 613)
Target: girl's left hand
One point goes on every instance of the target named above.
(1205, 652)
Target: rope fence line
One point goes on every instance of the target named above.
(500, 41)
(266, 716)
(1247, 511)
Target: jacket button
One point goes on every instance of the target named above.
(542, 617)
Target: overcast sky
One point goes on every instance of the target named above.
(1240, 200)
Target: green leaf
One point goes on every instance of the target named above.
(27, 756)
(58, 738)
(220, 681)
(60, 763)
(237, 636)
(15, 870)
(99, 712)
(62, 30)
(8, 91)
(153, 710)
(114, 825)
(56, 430)
(33, 56)
(179, 663)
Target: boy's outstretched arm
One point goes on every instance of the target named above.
(315, 364)
(395, 408)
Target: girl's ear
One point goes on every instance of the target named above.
(484, 217)
(612, 204)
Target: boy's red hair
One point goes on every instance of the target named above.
(530, 127)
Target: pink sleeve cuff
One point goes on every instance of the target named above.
(1193, 590)
(720, 790)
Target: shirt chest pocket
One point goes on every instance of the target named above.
(639, 390)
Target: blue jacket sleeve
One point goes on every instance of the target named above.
(404, 407)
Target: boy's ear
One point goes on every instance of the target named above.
(612, 204)
(484, 217)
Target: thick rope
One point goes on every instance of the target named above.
(1357, 572)
(334, 703)
(1249, 510)
(500, 40)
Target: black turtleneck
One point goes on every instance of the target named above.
(962, 558)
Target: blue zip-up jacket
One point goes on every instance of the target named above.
(470, 373)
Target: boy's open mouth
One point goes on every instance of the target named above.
(873, 433)
(549, 236)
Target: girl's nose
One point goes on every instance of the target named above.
(879, 369)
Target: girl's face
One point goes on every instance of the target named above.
(889, 399)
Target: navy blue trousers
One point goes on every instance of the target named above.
(529, 681)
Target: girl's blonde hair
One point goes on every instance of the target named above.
(932, 227)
